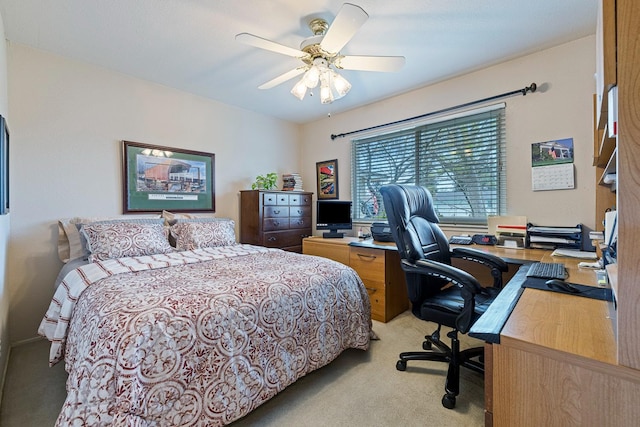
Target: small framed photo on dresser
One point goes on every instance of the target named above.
(327, 176)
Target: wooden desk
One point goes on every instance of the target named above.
(377, 264)
(556, 363)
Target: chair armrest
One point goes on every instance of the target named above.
(452, 274)
(481, 257)
(496, 264)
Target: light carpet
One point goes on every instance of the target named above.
(357, 389)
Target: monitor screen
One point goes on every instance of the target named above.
(333, 215)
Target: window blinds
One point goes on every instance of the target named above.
(460, 160)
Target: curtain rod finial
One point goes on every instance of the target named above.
(531, 88)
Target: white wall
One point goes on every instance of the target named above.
(67, 121)
(563, 110)
(4, 224)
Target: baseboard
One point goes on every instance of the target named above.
(5, 368)
(27, 341)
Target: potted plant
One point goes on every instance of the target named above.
(265, 182)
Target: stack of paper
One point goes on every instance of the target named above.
(572, 253)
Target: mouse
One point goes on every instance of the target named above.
(562, 285)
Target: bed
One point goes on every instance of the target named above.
(198, 331)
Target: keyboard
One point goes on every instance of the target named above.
(460, 240)
(547, 270)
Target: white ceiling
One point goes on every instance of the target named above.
(190, 44)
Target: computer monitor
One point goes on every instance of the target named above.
(333, 215)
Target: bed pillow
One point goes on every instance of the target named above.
(72, 245)
(125, 239)
(203, 233)
(171, 218)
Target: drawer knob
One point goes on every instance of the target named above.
(372, 290)
(276, 223)
(272, 239)
(367, 256)
(276, 212)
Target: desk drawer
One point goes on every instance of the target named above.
(376, 291)
(369, 263)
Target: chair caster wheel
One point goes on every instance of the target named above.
(426, 345)
(401, 365)
(448, 401)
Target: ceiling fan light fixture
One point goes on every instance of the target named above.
(321, 55)
(300, 89)
(326, 94)
(311, 77)
(340, 84)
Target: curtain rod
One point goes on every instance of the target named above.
(522, 91)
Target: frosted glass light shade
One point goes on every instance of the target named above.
(300, 89)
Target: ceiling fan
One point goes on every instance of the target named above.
(320, 55)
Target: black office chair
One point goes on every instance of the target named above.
(438, 292)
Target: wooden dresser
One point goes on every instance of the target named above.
(378, 265)
(275, 219)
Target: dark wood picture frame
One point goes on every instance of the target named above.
(327, 178)
(159, 178)
(4, 166)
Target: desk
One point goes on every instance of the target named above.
(555, 362)
(377, 264)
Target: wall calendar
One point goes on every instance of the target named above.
(552, 165)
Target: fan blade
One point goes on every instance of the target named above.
(348, 20)
(283, 78)
(256, 41)
(370, 63)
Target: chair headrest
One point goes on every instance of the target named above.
(406, 201)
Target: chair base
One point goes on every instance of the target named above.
(451, 355)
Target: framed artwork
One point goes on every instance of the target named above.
(163, 178)
(4, 167)
(327, 173)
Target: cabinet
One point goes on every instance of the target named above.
(628, 192)
(604, 153)
(617, 63)
(275, 219)
(378, 265)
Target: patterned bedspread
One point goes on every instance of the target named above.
(198, 337)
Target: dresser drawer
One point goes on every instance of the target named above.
(300, 199)
(298, 211)
(281, 239)
(269, 199)
(275, 224)
(282, 199)
(276, 211)
(301, 222)
(368, 263)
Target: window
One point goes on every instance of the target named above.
(459, 159)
